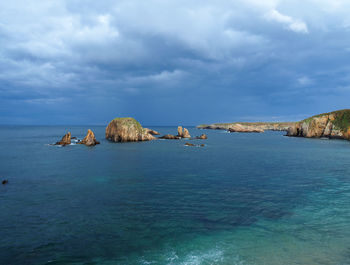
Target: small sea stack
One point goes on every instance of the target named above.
(89, 139)
(183, 132)
(66, 140)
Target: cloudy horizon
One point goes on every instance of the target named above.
(172, 62)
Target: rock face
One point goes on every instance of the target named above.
(331, 125)
(202, 137)
(170, 137)
(153, 132)
(89, 139)
(246, 129)
(127, 130)
(183, 133)
(66, 140)
(179, 131)
(186, 133)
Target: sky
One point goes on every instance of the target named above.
(172, 62)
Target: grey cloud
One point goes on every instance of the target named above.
(92, 54)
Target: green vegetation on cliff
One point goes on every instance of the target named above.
(341, 118)
(128, 121)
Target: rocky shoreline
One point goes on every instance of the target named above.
(334, 124)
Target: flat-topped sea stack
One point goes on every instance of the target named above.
(66, 140)
(335, 124)
(127, 130)
(89, 139)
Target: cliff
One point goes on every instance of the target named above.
(335, 124)
(127, 130)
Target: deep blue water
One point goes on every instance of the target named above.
(241, 199)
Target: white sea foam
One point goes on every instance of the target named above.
(212, 256)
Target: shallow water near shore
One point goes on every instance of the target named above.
(241, 199)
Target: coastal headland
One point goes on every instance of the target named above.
(335, 124)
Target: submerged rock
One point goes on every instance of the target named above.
(170, 137)
(127, 130)
(89, 139)
(4, 182)
(66, 140)
(189, 144)
(202, 137)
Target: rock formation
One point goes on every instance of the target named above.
(127, 130)
(186, 133)
(246, 129)
(66, 140)
(170, 137)
(335, 124)
(179, 131)
(4, 182)
(202, 137)
(153, 132)
(89, 139)
(183, 133)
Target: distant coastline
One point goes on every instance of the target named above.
(335, 124)
(274, 126)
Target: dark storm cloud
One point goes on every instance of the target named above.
(169, 62)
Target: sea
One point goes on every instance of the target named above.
(241, 199)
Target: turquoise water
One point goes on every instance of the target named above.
(241, 199)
